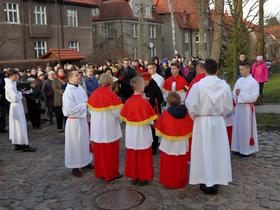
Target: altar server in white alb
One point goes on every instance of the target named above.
(74, 107)
(105, 107)
(245, 93)
(207, 102)
(17, 122)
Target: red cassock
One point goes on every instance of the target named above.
(181, 83)
(195, 80)
(229, 128)
(102, 103)
(173, 161)
(138, 115)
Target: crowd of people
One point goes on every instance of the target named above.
(181, 108)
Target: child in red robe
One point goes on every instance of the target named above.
(174, 126)
(139, 116)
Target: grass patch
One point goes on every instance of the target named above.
(272, 89)
(268, 119)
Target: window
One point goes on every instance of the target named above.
(135, 30)
(11, 12)
(148, 11)
(205, 37)
(197, 38)
(153, 52)
(72, 17)
(74, 45)
(137, 10)
(134, 51)
(40, 13)
(95, 11)
(153, 32)
(186, 37)
(109, 30)
(40, 48)
(187, 54)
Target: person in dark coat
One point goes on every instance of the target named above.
(155, 98)
(157, 62)
(33, 102)
(125, 74)
(2, 104)
(48, 95)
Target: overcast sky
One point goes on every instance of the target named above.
(271, 7)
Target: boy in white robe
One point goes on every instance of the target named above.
(77, 154)
(207, 101)
(245, 93)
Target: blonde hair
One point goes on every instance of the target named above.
(173, 98)
(136, 82)
(106, 79)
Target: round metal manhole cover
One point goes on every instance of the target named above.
(121, 199)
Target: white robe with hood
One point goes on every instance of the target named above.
(77, 154)
(17, 121)
(207, 101)
(245, 120)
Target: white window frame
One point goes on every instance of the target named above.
(153, 52)
(74, 45)
(11, 11)
(148, 11)
(197, 38)
(187, 54)
(136, 10)
(40, 48)
(40, 13)
(72, 18)
(95, 11)
(109, 30)
(153, 31)
(134, 30)
(187, 37)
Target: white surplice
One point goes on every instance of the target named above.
(74, 107)
(17, 120)
(158, 79)
(244, 118)
(207, 101)
(138, 137)
(175, 147)
(105, 126)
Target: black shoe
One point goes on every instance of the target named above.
(117, 177)
(76, 172)
(143, 183)
(134, 181)
(18, 147)
(27, 148)
(89, 166)
(3, 131)
(209, 190)
(241, 155)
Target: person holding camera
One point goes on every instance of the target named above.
(17, 122)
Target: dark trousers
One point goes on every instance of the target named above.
(59, 117)
(50, 113)
(155, 141)
(34, 112)
(261, 88)
(2, 117)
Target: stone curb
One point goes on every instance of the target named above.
(269, 127)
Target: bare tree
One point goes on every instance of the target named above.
(218, 30)
(202, 6)
(261, 29)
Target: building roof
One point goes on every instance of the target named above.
(185, 12)
(87, 2)
(63, 54)
(273, 32)
(118, 9)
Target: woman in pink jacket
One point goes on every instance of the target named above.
(260, 73)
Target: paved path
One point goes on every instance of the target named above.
(40, 181)
(268, 109)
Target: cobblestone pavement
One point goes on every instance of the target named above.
(40, 181)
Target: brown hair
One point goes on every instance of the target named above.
(11, 72)
(173, 98)
(175, 64)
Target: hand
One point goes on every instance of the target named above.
(237, 92)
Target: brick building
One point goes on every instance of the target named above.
(28, 28)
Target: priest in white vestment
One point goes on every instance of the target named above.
(207, 102)
(244, 134)
(17, 122)
(74, 107)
